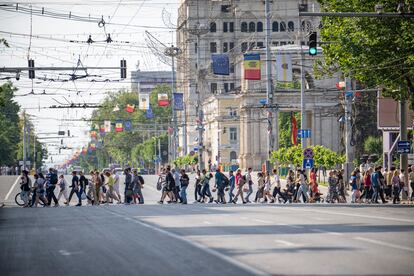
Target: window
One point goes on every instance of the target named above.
(231, 68)
(225, 8)
(195, 47)
(282, 43)
(231, 46)
(243, 28)
(244, 47)
(291, 26)
(233, 156)
(213, 47)
(259, 27)
(233, 134)
(213, 27)
(252, 27)
(225, 27)
(260, 44)
(225, 47)
(252, 45)
(213, 87)
(233, 113)
(275, 26)
(231, 27)
(232, 86)
(282, 26)
(275, 43)
(226, 87)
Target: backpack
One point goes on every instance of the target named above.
(141, 179)
(53, 178)
(225, 181)
(159, 183)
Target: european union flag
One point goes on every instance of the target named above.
(128, 125)
(221, 64)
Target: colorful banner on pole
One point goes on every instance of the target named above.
(130, 108)
(144, 101)
(294, 131)
(284, 68)
(128, 125)
(107, 125)
(163, 99)
(94, 134)
(102, 129)
(119, 126)
(221, 64)
(178, 101)
(252, 67)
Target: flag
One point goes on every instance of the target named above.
(221, 64)
(102, 129)
(163, 99)
(252, 67)
(92, 146)
(107, 126)
(93, 134)
(128, 125)
(283, 67)
(116, 108)
(130, 108)
(294, 129)
(178, 101)
(340, 85)
(119, 126)
(149, 113)
(84, 150)
(144, 101)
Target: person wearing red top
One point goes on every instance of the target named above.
(240, 181)
(367, 186)
(314, 185)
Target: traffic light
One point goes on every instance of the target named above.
(313, 43)
(31, 71)
(123, 69)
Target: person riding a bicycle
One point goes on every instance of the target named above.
(25, 186)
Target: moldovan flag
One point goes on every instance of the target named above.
(130, 108)
(107, 126)
(144, 101)
(294, 132)
(252, 67)
(84, 150)
(119, 126)
(284, 67)
(92, 146)
(163, 99)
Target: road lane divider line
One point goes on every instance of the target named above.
(286, 243)
(200, 246)
(11, 189)
(326, 232)
(206, 222)
(354, 215)
(262, 221)
(396, 246)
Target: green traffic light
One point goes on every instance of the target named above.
(312, 51)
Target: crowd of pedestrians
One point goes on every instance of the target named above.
(99, 188)
(369, 187)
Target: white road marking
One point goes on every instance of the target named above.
(243, 217)
(286, 243)
(206, 222)
(326, 232)
(200, 246)
(385, 244)
(64, 253)
(262, 221)
(12, 188)
(352, 215)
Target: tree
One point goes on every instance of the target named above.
(376, 51)
(373, 145)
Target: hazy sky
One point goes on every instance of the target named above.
(53, 48)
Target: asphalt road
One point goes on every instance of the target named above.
(206, 239)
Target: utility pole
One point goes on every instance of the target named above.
(348, 128)
(302, 84)
(173, 52)
(403, 137)
(185, 130)
(159, 152)
(24, 140)
(269, 87)
(34, 151)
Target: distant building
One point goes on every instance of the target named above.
(145, 81)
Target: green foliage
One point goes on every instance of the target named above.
(323, 157)
(285, 128)
(186, 160)
(373, 145)
(376, 51)
(130, 147)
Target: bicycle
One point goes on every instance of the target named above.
(20, 202)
